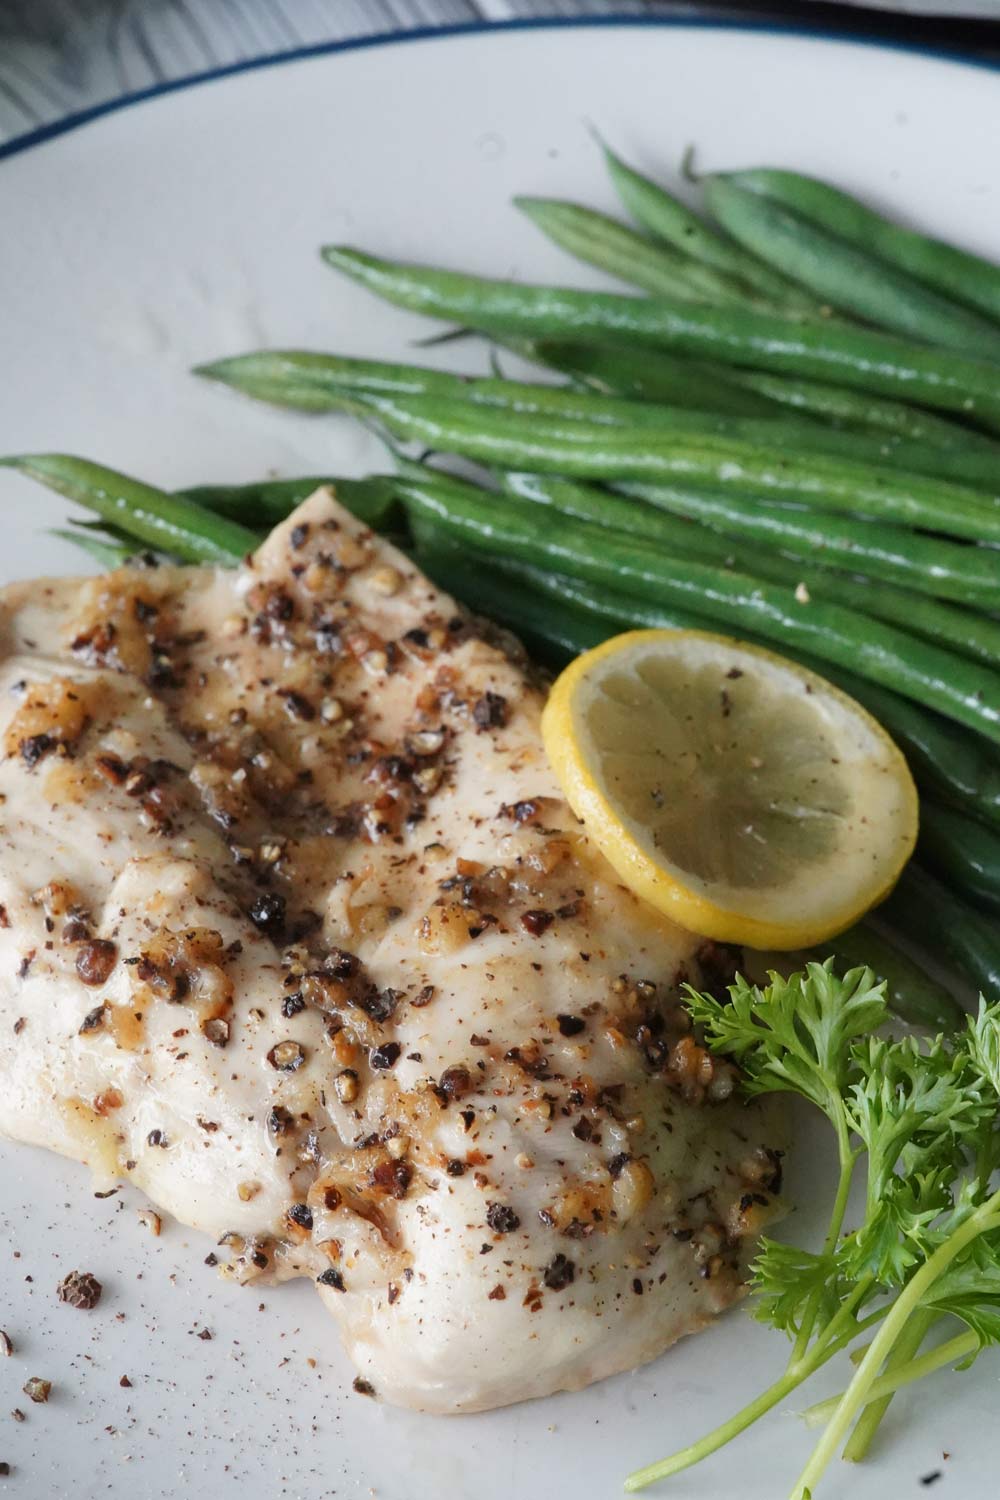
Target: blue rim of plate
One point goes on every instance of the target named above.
(52, 131)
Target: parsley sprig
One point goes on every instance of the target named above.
(919, 1120)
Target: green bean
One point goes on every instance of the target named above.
(315, 382)
(961, 690)
(966, 277)
(856, 357)
(975, 463)
(971, 634)
(104, 529)
(307, 380)
(590, 451)
(613, 247)
(616, 513)
(649, 375)
(862, 411)
(963, 853)
(846, 275)
(185, 529)
(588, 502)
(927, 565)
(946, 928)
(963, 630)
(653, 375)
(911, 993)
(101, 549)
(423, 470)
(671, 221)
(152, 516)
(264, 504)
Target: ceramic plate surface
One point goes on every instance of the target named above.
(186, 227)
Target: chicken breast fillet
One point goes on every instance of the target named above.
(297, 935)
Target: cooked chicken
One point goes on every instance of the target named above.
(297, 935)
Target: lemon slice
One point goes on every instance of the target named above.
(742, 795)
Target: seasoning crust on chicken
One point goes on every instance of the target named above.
(298, 936)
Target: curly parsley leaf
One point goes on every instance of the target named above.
(915, 1108)
(789, 1282)
(981, 1043)
(970, 1290)
(795, 1034)
(896, 1233)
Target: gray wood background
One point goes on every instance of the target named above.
(61, 56)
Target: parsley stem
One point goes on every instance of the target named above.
(985, 1218)
(695, 1452)
(906, 1348)
(845, 1315)
(952, 1352)
(848, 1157)
(824, 1349)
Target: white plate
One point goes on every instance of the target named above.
(184, 228)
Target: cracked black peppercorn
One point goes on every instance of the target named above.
(501, 1218)
(333, 1278)
(80, 1289)
(35, 748)
(385, 1057)
(279, 1121)
(95, 961)
(490, 711)
(216, 1030)
(559, 1272)
(301, 1214)
(570, 1025)
(379, 1004)
(454, 1083)
(287, 1056)
(267, 912)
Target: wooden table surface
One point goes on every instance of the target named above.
(58, 57)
